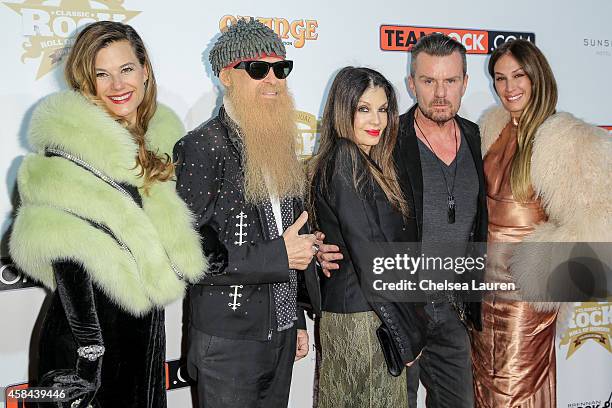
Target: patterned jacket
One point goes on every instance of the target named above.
(234, 299)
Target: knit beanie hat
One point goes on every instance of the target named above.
(245, 40)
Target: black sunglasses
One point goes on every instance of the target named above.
(259, 69)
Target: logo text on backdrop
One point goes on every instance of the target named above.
(591, 321)
(476, 41)
(295, 32)
(49, 29)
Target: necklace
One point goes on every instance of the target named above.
(449, 190)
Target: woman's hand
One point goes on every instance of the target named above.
(79, 385)
(327, 255)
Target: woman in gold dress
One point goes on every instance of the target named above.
(547, 181)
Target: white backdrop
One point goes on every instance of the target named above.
(322, 36)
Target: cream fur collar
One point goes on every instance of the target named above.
(571, 164)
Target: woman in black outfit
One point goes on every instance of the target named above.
(357, 200)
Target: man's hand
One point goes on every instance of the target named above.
(301, 345)
(327, 255)
(300, 248)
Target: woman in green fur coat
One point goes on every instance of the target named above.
(101, 225)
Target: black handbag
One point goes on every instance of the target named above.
(395, 365)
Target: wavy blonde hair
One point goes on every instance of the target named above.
(540, 107)
(80, 74)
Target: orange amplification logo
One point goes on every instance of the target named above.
(476, 41)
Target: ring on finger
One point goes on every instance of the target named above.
(315, 248)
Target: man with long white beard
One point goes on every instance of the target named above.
(240, 175)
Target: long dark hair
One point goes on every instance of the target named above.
(80, 75)
(540, 107)
(338, 120)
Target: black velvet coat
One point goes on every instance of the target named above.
(112, 255)
(131, 372)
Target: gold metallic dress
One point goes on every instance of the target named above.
(514, 355)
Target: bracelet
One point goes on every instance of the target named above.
(91, 353)
(76, 403)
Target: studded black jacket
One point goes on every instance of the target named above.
(234, 299)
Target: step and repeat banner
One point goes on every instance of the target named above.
(321, 37)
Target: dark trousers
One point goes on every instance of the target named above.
(445, 367)
(241, 373)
